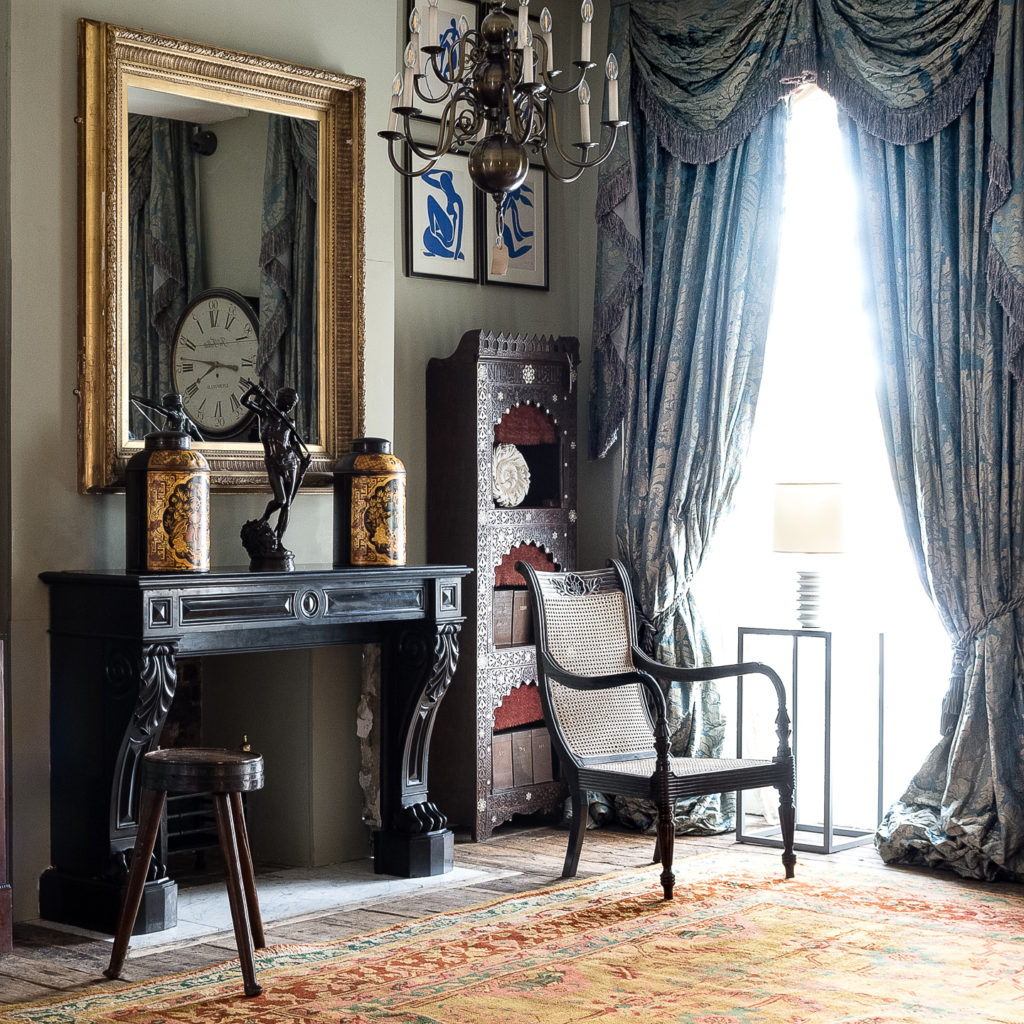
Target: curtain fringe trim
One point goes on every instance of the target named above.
(1008, 291)
(614, 191)
(160, 254)
(907, 126)
(611, 311)
(1000, 182)
(604, 433)
(705, 147)
(279, 239)
(271, 334)
(804, 63)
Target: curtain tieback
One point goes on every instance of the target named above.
(650, 627)
(953, 701)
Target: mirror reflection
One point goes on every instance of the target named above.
(222, 221)
(220, 243)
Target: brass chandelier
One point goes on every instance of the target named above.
(495, 88)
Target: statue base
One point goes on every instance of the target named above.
(265, 551)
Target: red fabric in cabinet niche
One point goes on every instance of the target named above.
(520, 707)
(505, 574)
(525, 424)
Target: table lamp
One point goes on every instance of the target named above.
(808, 521)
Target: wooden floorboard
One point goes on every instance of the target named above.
(47, 962)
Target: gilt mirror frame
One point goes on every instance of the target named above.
(111, 58)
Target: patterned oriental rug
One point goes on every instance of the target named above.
(738, 944)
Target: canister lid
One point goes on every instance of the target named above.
(371, 446)
(175, 440)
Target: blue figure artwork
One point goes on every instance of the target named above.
(442, 237)
(449, 37)
(517, 238)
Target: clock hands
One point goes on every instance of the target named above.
(213, 365)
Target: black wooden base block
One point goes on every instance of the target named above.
(96, 905)
(413, 856)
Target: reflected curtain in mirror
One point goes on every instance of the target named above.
(288, 260)
(164, 263)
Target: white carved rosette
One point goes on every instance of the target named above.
(510, 475)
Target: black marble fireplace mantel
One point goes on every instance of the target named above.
(114, 640)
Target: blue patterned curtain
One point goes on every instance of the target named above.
(954, 432)
(709, 252)
(704, 74)
(701, 79)
(164, 270)
(288, 261)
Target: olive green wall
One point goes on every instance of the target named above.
(407, 321)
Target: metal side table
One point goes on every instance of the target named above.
(826, 837)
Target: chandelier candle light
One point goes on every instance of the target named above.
(497, 85)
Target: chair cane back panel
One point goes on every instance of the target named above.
(587, 632)
(602, 723)
(588, 635)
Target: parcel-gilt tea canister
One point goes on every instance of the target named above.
(167, 510)
(369, 506)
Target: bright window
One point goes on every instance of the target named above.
(817, 420)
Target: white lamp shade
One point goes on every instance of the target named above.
(809, 518)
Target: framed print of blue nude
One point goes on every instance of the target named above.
(446, 20)
(525, 234)
(441, 222)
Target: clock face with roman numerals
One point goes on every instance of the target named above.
(213, 358)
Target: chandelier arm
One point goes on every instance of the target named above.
(565, 179)
(433, 52)
(585, 163)
(424, 150)
(582, 68)
(518, 129)
(398, 167)
(425, 97)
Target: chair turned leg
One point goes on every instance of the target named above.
(236, 897)
(150, 810)
(787, 821)
(248, 878)
(666, 846)
(577, 831)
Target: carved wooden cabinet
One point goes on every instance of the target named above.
(501, 486)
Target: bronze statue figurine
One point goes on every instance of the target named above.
(178, 420)
(287, 458)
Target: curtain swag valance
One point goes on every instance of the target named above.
(705, 74)
(702, 75)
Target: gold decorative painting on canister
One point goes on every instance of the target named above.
(167, 509)
(369, 506)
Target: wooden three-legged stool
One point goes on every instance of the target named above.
(226, 774)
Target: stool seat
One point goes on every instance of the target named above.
(202, 770)
(225, 774)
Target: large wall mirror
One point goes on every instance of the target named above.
(220, 242)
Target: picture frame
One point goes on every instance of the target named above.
(526, 234)
(442, 216)
(449, 13)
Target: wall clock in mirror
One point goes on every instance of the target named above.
(213, 361)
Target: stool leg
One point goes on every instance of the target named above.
(248, 878)
(236, 898)
(150, 809)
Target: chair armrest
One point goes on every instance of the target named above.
(747, 668)
(702, 673)
(554, 671)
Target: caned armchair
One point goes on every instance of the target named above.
(606, 711)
